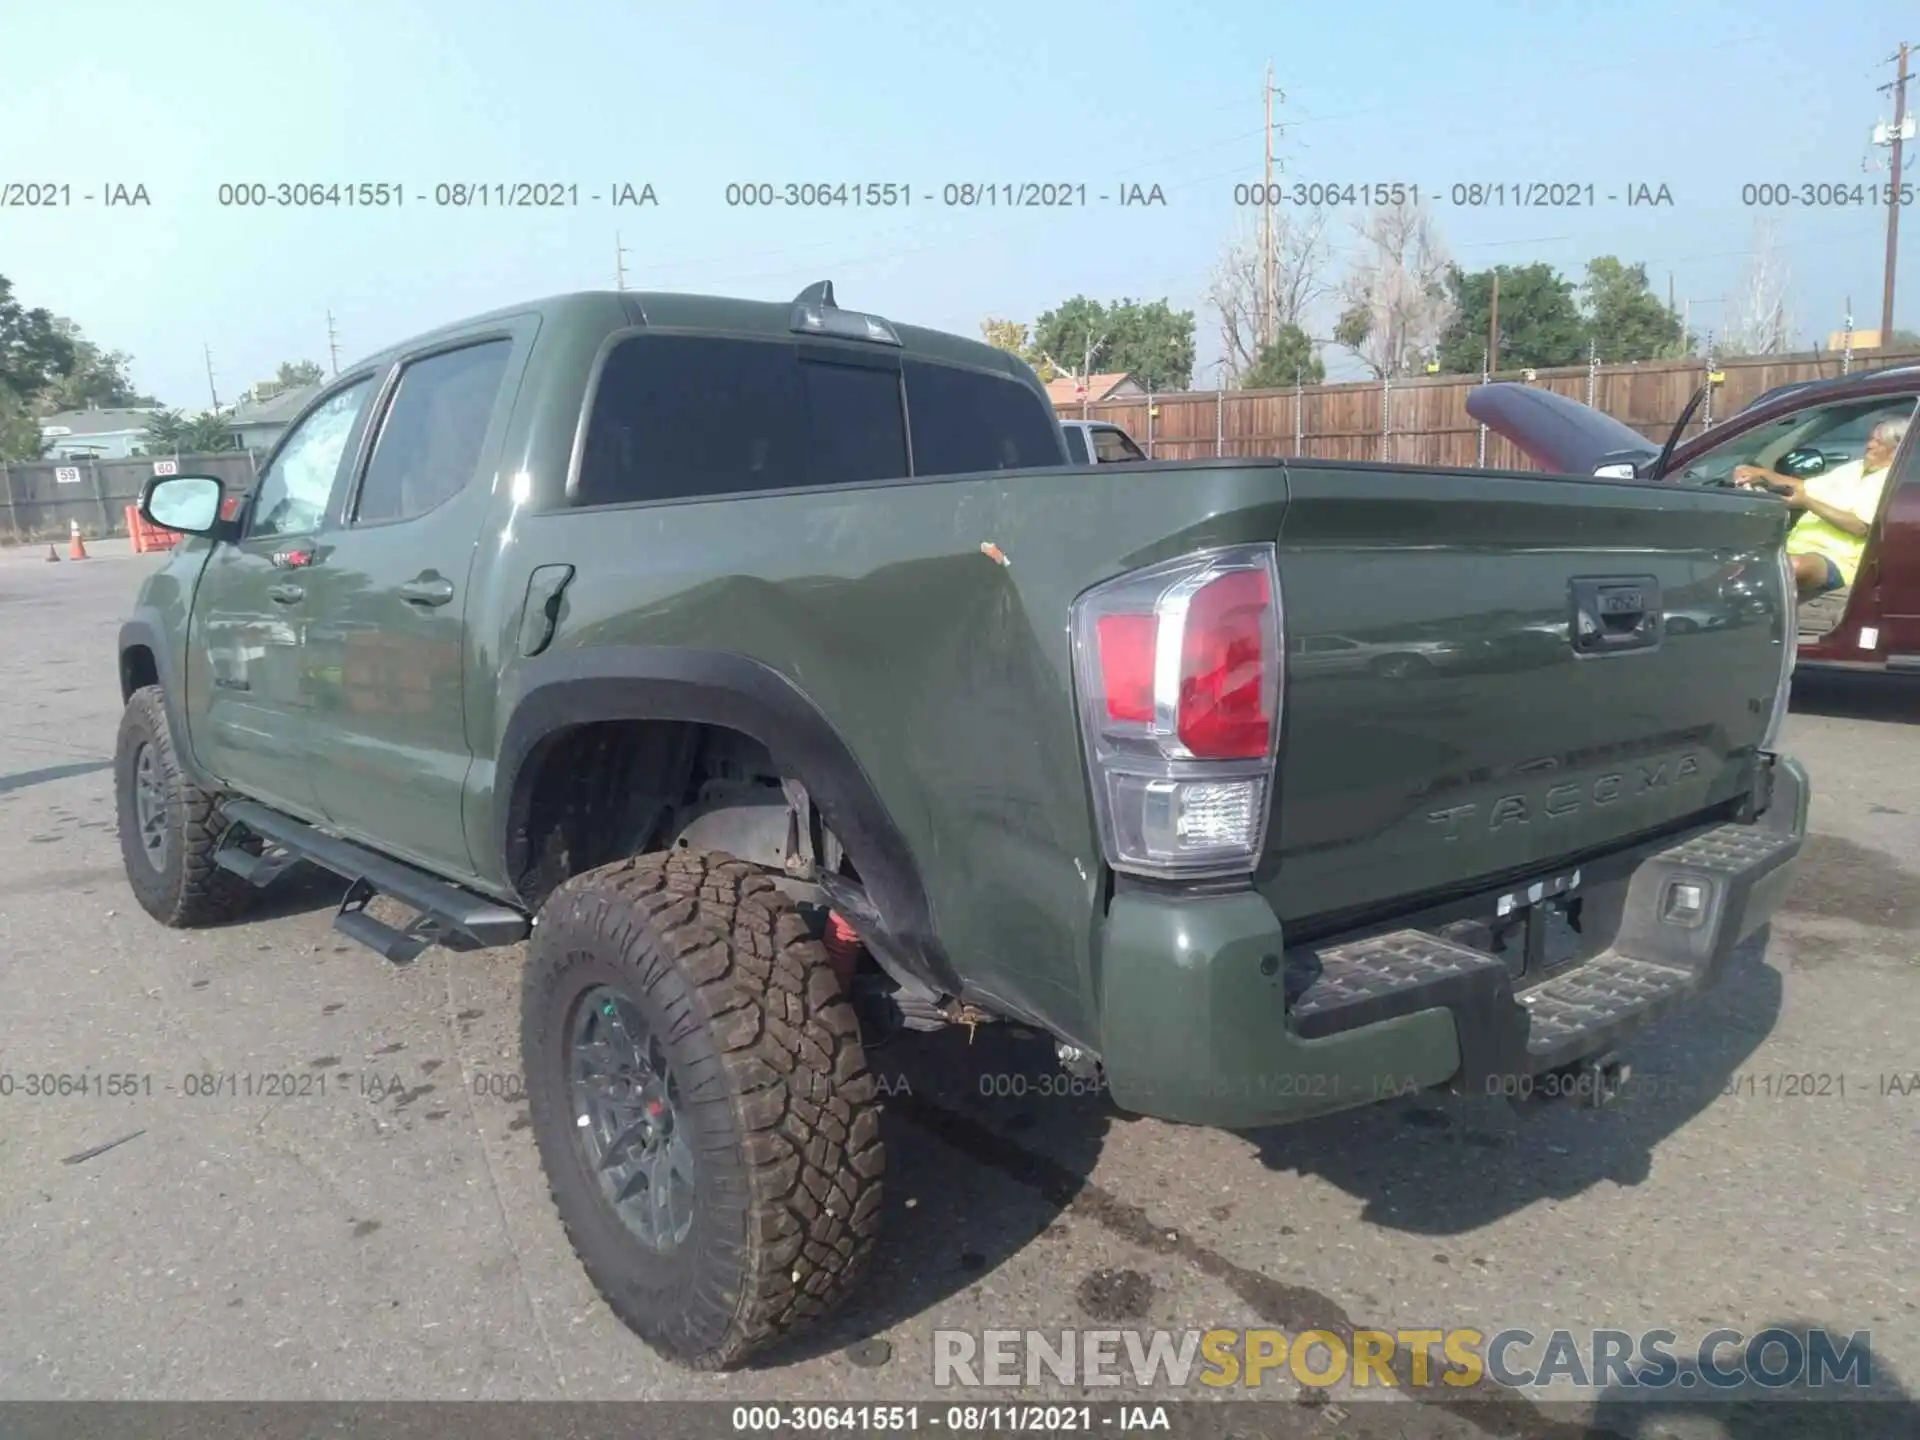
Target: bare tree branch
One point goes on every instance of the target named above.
(1235, 292)
(1397, 288)
(1760, 321)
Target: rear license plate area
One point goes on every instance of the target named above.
(1535, 929)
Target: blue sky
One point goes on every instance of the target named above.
(1703, 98)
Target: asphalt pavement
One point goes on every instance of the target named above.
(199, 1230)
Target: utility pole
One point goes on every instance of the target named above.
(1895, 136)
(333, 344)
(1493, 328)
(1086, 374)
(210, 390)
(1268, 259)
(619, 263)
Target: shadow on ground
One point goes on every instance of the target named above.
(21, 779)
(1867, 1403)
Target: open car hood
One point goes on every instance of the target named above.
(1559, 433)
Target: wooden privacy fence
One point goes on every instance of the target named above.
(1423, 420)
(43, 497)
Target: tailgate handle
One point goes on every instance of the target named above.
(1614, 613)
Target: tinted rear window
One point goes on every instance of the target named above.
(677, 416)
(966, 420)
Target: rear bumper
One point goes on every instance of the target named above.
(1207, 1018)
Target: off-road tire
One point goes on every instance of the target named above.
(780, 1108)
(188, 890)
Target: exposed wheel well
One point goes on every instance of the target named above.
(137, 670)
(607, 789)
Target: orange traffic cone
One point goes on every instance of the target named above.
(53, 555)
(76, 547)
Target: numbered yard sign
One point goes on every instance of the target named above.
(166, 467)
(66, 474)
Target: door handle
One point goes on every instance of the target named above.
(427, 591)
(286, 594)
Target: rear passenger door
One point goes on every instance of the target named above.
(387, 631)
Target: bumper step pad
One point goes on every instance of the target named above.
(1365, 980)
(1608, 994)
(1574, 1012)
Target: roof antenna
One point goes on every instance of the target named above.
(819, 293)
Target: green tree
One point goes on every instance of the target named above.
(1353, 327)
(1288, 359)
(19, 429)
(1149, 340)
(1625, 319)
(33, 352)
(1540, 323)
(1903, 339)
(93, 377)
(171, 433)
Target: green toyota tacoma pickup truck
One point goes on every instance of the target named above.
(770, 670)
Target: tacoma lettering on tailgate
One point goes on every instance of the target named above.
(1556, 802)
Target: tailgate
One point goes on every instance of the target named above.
(1440, 728)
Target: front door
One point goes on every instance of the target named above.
(1898, 561)
(385, 643)
(247, 698)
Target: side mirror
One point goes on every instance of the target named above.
(190, 504)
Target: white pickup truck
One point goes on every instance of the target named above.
(1094, 442)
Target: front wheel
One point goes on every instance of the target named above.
(701, 1102)
(169, 827)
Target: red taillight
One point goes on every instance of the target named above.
(1224, 654)
(1179, 672)
(1126, 666)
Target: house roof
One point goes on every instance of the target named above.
(275, 410)
(96, 422)
(1066, 390)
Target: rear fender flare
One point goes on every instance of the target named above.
(549, 694)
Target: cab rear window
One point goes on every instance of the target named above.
(967, 420)
(686, 416)
(683, 416)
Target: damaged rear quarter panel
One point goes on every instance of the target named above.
(947, 673)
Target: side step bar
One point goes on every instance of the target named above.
(446, 914)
